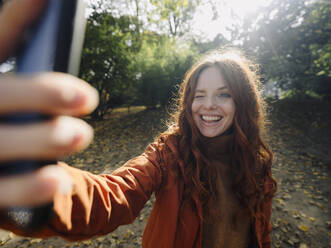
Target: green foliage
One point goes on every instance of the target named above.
(218, 42)
(173, 15)
(292, 39)
(132, 65)
(318, 22)
(129, 66)
(108, 52)
(162, 63)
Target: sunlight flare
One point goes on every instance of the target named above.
(212, 20)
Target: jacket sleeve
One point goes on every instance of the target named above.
(100, 203)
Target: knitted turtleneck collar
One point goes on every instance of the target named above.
(218, 148)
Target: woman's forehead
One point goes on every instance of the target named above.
(211, 78)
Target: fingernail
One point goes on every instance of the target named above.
(73, 97)
(65, 133)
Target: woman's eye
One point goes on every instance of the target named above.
(198, 96)
(225, 95)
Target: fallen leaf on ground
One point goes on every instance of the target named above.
(303, 228)
(312, 218)
(303, 245)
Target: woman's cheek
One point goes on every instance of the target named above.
(230, 107)
(195, 106)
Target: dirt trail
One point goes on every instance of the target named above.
(300, 137)
(301, 141)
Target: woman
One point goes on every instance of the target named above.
(210, 171)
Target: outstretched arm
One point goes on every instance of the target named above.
(98, 204)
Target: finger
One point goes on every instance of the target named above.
(15, 16)
(35, 188)
(52, 93)
(48, 140)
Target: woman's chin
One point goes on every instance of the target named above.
(210, 134)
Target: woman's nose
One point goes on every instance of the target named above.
(210, 102)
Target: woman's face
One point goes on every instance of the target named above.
(213, 107)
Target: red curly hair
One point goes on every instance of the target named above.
(251, 157)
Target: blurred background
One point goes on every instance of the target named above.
(136, 52)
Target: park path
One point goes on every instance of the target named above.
(301, 140)
(300, 136)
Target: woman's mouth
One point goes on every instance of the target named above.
(211, 118)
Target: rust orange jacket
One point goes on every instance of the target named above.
(100, 203)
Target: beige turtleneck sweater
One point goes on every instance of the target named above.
(226, 223)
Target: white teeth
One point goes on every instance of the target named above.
(211, 118)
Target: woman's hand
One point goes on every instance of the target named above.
(60, 95)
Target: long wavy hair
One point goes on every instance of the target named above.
(251, 156)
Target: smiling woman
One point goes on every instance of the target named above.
(228, 164)
(210, 171)
(213, 107)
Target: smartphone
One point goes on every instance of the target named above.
(54, 43)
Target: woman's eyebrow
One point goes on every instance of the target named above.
(223, 88)
(202, 91)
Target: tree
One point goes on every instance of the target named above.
(218, 42)
(107, 58)
(318, 22)
(287, 36)
(173, 15)
(162, 64)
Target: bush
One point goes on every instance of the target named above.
(162, 64)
